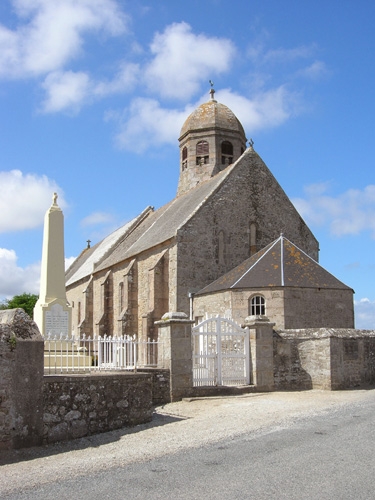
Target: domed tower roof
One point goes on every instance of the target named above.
(211, 138)
(212, 114)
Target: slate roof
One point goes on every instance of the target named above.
(147, 231)
(279, 264)
(85, 263)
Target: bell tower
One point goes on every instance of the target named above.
(211, 138)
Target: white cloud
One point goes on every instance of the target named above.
(69, 261)
(65, 90)
(183, 59)
(147, 125)
(52, 33)
(349, 213)
(266, 110)
(97, 218)
(69, 91)
(282, 55)
(125, 80)
(364, 314)
(25, 199)
(15, 280)
(314, 71)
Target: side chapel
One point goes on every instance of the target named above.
(230, 243)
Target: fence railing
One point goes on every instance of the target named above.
(63, 353)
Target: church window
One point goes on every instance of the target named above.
(257, 306)
(184, 158)
(252, 238)
(202, 152)
(121, 295)
(226, 153)
(221, 248)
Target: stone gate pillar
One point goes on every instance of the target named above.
(175, 352)
(21, 381)
(261, 351)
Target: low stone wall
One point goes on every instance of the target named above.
(160, 385)
(323, 359)
(85, 404)
(353, 359)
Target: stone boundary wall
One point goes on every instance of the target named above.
(160, 385)
(37, 408)
(84, 404)
(322, 358)
(77, 405)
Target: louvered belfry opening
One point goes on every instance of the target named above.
(226, 152)
(202, 152)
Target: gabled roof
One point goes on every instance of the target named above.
(86, 262)
(149, 229)
(279, 264)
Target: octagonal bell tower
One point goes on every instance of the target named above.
(211, 138)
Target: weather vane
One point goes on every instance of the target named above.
(251, 143)
(211, 83)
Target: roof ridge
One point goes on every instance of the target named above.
(135, 223)
(256, 262)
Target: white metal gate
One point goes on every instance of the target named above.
(221, 353)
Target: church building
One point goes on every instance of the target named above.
(230, 242)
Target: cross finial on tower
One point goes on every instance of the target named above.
(212, 90)
(251, 143)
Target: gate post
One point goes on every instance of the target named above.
(176, 346)
(21, 381)
(261, 351)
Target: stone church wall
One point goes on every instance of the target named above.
(304, 307)
(318, 308)
(250, 194)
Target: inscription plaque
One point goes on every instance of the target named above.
(57, 320)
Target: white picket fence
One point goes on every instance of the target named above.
(63, 353)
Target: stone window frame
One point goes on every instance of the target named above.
(257, 305)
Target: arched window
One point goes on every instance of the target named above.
(226, 153)
(202, 152)
(257, 306)
(221, 248)
(184, 158)
(252, 238)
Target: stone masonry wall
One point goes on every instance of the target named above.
(81, 405)
(301, 363)
(259, 199)
(21, 375)
(324, 358)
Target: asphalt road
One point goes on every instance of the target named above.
(328, 456)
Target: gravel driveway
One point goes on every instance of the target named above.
(175, 427)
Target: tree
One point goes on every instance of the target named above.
(25, 301)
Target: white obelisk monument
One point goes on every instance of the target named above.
(52, 313)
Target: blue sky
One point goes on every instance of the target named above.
(93, 94)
